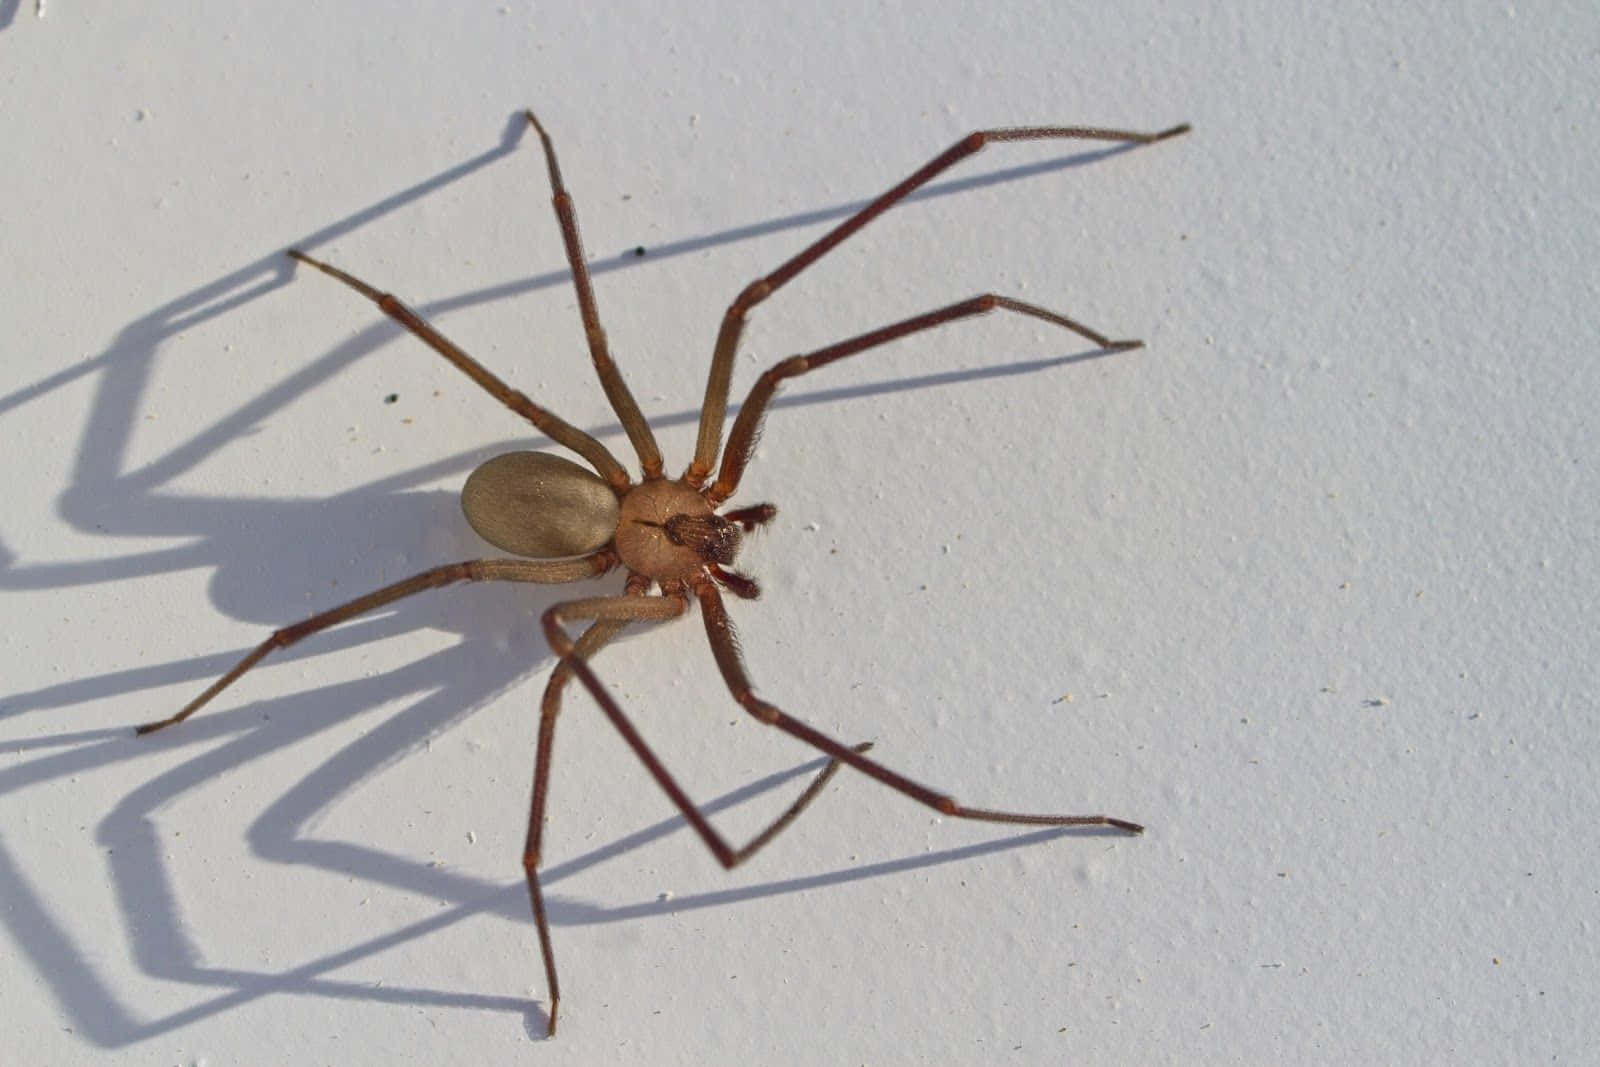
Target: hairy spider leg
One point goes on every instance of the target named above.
(725, 647)
(553, 426)
(715, 408)
(747, 426)
(610, 615)
(616, 390)
(542, 572)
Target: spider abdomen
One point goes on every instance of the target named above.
(539, 505)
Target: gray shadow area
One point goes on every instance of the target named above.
(162, 947)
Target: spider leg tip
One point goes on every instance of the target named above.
(1176, 131)
(1130, 827)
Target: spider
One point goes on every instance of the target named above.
(567, 523)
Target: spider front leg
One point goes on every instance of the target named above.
(747, 427)
(716, 403)
(725, 647)
(478, 570)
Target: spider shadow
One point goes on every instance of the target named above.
(162, 946)
(446, 687)
(248, 543)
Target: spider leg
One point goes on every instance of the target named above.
(580, 651)
(611, 614)
(478, 570)
(716, 403)
(553, 426)
(591, 641)
(616, 390)
(653, 609)
(724, 646)
(747, 426)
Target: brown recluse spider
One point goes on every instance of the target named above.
(570, 523)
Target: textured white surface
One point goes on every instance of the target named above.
(1317, 568)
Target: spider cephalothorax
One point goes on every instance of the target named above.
(670, 532)
(567, 523)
